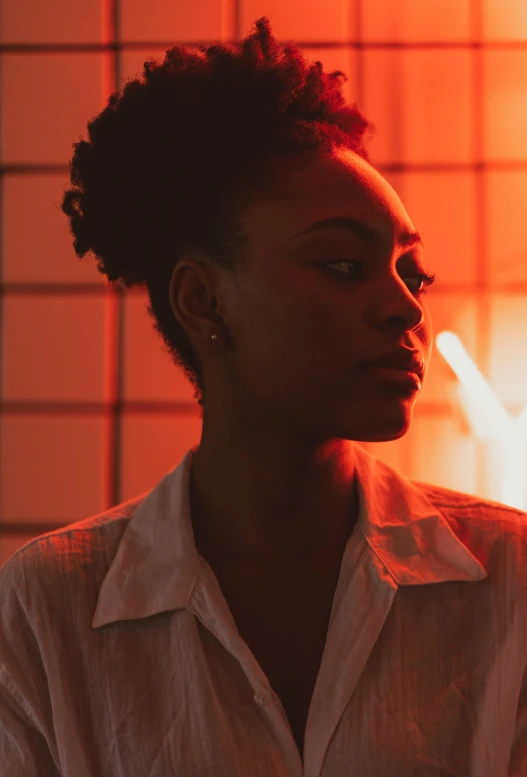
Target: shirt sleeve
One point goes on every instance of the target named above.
(23, 749)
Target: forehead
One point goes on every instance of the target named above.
(340, 184)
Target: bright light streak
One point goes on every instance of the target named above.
(489, 419)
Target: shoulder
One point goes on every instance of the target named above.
(470, 504)
(65, 563)
(484, 525)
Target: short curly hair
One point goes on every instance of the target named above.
(173, 161)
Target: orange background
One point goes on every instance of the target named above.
(92, 410)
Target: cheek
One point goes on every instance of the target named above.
(290, 339)
(299, 357)
(277, 347)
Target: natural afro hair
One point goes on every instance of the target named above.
(173, 160)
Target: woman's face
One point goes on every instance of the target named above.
(300, 328)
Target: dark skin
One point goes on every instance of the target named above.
(272, 490)
(283, 394)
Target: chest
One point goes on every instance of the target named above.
(282, 614)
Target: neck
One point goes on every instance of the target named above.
(256, 498)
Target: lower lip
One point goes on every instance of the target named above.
(397, 377)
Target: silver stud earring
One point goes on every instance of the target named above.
(214, 337)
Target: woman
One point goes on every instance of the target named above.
(281, 603)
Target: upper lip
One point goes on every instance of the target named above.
(403, 359)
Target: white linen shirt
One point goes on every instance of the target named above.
(119, 656)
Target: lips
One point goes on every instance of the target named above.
(403, 359)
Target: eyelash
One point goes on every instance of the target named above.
(426, 278)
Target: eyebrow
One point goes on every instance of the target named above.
(360, 228)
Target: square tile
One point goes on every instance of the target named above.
(442, 207)
(504, 19)
(407, 20)
(30, 131)
(45, 252)
(420, 102)
(333, 20)
(508, 347)
(52, 468)
(505, 115)
(204, 20)
(152, 446)
(53, 348)
(149, 374)
(505, 226)
(55, 21)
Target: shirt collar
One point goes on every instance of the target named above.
(157, 562)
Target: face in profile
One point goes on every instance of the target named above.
(317, 302)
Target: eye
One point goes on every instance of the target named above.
(424, 278)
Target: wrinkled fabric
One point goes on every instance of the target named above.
(119, 656)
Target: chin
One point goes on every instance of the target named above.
(380, 428)
(387, 437)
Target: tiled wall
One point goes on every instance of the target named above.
(83, 424)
